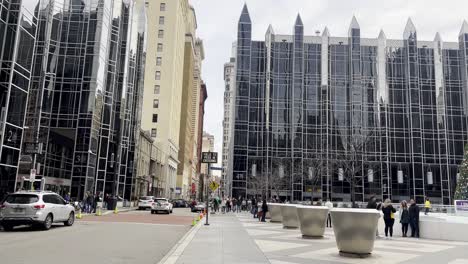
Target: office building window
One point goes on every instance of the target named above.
(158, 61)
(153, 132)
(162, 7)
(160, 47)
(158, 75)
(161, 20)
(155, 118)
(156, 103)
(160, 33)
(157, 89)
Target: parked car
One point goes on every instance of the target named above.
(180, 203)
(40, 209)
(145, 202)
(199, 207)
(161, 205)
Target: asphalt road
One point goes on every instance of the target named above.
(132, 237)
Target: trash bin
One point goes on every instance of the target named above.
(111, 203)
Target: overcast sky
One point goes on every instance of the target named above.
(217, 26)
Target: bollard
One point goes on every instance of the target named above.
(116, 211)
(79, 216)
(98, 211)
(194, 221)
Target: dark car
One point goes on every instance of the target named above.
(200, 207)
(180, 203)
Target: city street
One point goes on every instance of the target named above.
(133, 237)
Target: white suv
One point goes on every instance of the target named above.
(35, 208)
(161, 205)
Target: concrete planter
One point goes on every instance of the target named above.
(275, 212)
(289, 214)
(312, 220)
(355, 230)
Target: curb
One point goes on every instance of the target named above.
(176, 251)
(108, 212)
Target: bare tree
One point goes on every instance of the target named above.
(313, 166)
(278, 180)
(354, 161)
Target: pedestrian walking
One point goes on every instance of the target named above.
(254, 208)
(228, 205)
(223, 205)
(95, 202)
(244, 205)
(89, 203)
(239, 204)
(329, 204)
(264, 210)
(67, 197)
(414, 218)
(389, 217)
(427, 206)
(404, 218)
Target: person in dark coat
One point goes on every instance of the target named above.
(414, 218)
(389, 217)
(372, 204)
(254, 207)
(404, 218)
(264, 209)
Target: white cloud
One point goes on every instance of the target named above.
(217, 25)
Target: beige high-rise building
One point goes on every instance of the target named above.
(171, 27)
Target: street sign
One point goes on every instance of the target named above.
(214, 185)
(216, 168)
(32, 175)
(209, 157)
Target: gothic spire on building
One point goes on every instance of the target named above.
(464, 28)
(410, 29)
(245, 16)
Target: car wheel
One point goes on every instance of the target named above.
(48, 222)
(71, 219)
(7, 227)
(171, 211)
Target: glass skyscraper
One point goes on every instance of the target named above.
(344, 118)
(17, 37)
(83, 109)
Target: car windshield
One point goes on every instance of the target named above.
(22, 198)
(146, 198)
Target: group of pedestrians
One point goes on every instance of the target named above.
(90, 202)
(408, 214)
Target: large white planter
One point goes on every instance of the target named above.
(289, 214)
(355, 229)
(275, 212)
(312, 220)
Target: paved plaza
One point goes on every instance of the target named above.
(241, 239)
(282, 246)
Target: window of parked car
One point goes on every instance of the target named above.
(58, 200)
(49, 198)
(21, 198)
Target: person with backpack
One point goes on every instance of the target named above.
(389, 217)
(404, 218)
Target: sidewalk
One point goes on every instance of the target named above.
(241, 239)
(224, 241)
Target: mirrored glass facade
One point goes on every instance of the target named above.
(17, 41)
(344, 118)
(85, 87)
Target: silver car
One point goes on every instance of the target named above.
(35, 208)
(161, 205)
